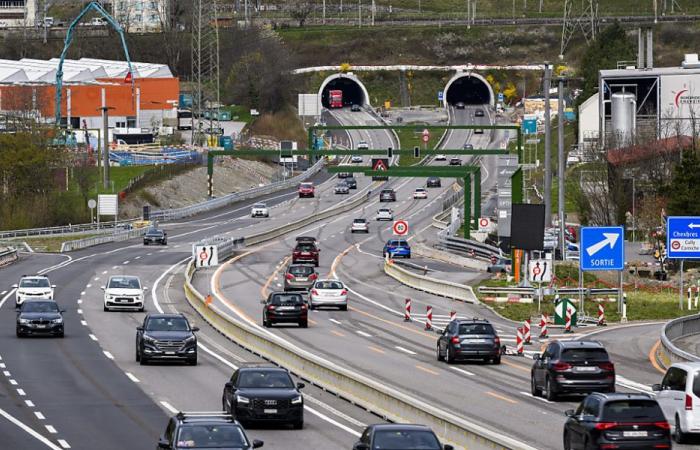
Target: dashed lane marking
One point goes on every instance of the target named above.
(501, 397)
(108, 354)
(13, 382)
(83, 323)
(63, 443)
(29, 403)
(405, 350)
(362, 333)
(21, 392)
(527, 394)
(169, 407)
(465, 372)
(93, 337)
(132, 377)
(50, 429)
(39, 415)
(337, 322)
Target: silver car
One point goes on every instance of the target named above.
(360, 226)
(342, 188)
(385, 214)
(299, 276)
(328, 293)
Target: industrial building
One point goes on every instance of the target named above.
(29, 86)
(141, 15)
(18, 13)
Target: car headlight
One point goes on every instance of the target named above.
(190, 339)
(149, 339)
(296, 400)
(242, 400)
(24, 321)
(59, 320)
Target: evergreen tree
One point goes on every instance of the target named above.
(684, 191)
(610, 46)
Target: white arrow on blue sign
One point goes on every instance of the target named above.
(602, 248)
(683, 237)
(441, 95)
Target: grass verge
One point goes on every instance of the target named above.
(53, 244)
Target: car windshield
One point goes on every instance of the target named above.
(329, 285)
(167, 324)
(632, 410)
(259, 379)
(153, 232)
(301, 270)
(476, 328)
(211, 436)
(259, 205)
(286, 299)
(584, 354)
(34, 283)
(385, 211)
(307, 185)
(124, 283)
(405, 440)
(39, 307)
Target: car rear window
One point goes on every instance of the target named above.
(329, 285)
(387, 191)
(359, 221)
(632, 410)
(399, 243)
(287, 299)
(306, 247)
(584, 354)
(408, 439)
(476, 328)
(301, 270)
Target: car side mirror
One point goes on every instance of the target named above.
(569, 413)
(145, 288)
(15, 286)
(257, 443)
(195, 329)
(163, 443)
(62, 311)
(448, 447)
(139, 328)
(536, 356)
(53, 286)
(301, 385)
(228, 385)
(656, 387)
(103, 287)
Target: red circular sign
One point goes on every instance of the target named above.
(675, 245)
(426, 138)
(483, 223)
(426, 132)
(400, 227)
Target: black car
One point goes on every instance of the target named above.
(399, 436)
(479, 131)
(39, 317)
(166, 337)
(624, 421)
(433, 182)
(479, 113)
(469, 339)
(572, 367)
(460, 105)
(387, 195)
(355, 108)
(155, 236)
(262, 393)
(351, 182)
(455, 161)
(194, 430)
(285, 307)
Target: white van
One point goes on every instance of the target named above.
(679, 398)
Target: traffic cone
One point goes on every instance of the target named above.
(601, 315)
(526, 330)
(429, 318)
(543, 326)
(519, 342)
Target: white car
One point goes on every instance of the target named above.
(356, 159)
(420, 193)
(385, 214)
(124, 292)
(362, 145)
(359, 225)
(679, 398)
(328, 293)
(440, 157)
(259, 210)
(33, 288)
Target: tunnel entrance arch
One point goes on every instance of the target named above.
(354, 92)
(469, 88)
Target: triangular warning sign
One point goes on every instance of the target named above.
(379, 165)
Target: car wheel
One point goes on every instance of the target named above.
(145, 243)
(223, 405)
(142, 308)
(496, 360)
(20, 334)
(311, 306)
(438, 355)
(299, 424)
(193, 361)
(344, 308)
(450, 358)
(105, 308)
(266, 323)
(533, 387)
(567, 441)
(316, 264)
(352, 231)
(61, 334)
(551, 396)
(143, 361)
(138, 355)
(304, 324)
(678, 435)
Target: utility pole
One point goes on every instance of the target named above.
(324, 12)
(46, 30)
(547, 146)
(105, 146)
(359, 12)
(560, 172)
(374, 10)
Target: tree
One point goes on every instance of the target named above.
(684, 191)
(610, 46)
(300, 10)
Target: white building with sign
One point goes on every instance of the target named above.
(141, 15)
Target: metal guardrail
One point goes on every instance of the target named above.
(669, 353)
(8, 256)
(105, 227)
(531, 290)
(69, 246)
(429, 284)
(362, 390)
(468, 247)
(446, 257)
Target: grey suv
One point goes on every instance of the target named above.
(387, 195)
(299, 276)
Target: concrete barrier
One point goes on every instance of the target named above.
(428, 284)
(362, 390)
(8, 256)
(451, 258)
(668, 353)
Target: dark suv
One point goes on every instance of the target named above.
(572, 367)
(166, 337)
(39, 317)
(398, 435)
(285, 307)
(387, 195)
(264, 393)
(155, 236)
(195, 430)
(469, 339)
(306, 251)
(631, 421)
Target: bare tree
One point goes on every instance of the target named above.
(300, 10)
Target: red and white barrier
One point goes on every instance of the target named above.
(519, 342)
(543, 326)
(429, 318)
(697, 295)
(567, 327)
(453, 315)
(407, 313)
(601, 315)
(690, 296)
(526, 332)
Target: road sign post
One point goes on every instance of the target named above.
(682, 242)
(602, 248)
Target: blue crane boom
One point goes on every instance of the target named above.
(69, 39)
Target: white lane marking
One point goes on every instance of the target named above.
(132, 377)
(126, 262)
(138, 257)
(21, 392)
(465, 372)
(629, 384)
(33, 433)
(13, 382)
(169, 407)
(337, 322)
(3, 292)
(4, 299)
(108, 354)
(149, 254)
(405, 350)
(82, 293)
(63, 443)
(96, 279)
(115, 267)
(29, 403)
(2, 365)
(331, 421)
(89, 286)
(6, 373)
(39, 415)
(51, 429)
(80, 301)
(83, 323)
(362, 333)
(104, 272)
(80, 311)
(527, 394)
(93, 337)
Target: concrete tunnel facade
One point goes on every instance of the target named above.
(354, 91)
(469, 88)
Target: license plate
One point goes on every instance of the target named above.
(41, 326)
(634, 433)
(169, 353)
(475, 341)
(302, 279)
(585, 369)
(270, 411)
(305, 254)
(285, 308)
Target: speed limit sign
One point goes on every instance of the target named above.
(400, 228)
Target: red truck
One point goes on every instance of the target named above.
(335, 98)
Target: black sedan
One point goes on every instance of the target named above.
(155, 236)
(351, 182)
(39, 317)
(455, 161)
(624, 421)
(399, 435)
(285, 307)
(433, 182)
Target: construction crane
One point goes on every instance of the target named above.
(92, 6)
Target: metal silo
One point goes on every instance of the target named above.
(624, 117)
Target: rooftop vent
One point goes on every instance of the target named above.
(691, 61)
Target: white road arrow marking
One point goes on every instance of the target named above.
(610, 239)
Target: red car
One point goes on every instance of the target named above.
(306, 190)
